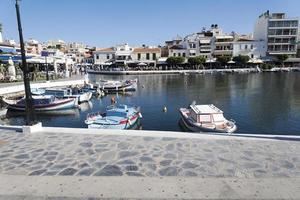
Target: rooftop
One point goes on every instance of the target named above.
(111, 49)
(146, 50)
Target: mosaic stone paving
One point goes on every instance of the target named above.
(99, 155)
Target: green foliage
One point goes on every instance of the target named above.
(240, 59)
(282, 57)
(175, 60)
(266, 66)
(223, 59)
(198, 60)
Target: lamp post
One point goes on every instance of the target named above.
(30, 114)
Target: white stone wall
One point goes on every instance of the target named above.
(253, 49)
(134, 56)
(102, 57)
(178, 52)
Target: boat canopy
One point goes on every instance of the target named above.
(205, 109)
(206, 113)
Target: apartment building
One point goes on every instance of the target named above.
(279, 32)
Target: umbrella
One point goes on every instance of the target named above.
(258, 61)
(142, 64)
(231, 62)
(210, 61)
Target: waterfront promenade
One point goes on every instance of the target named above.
(8, 89)
(81, 164)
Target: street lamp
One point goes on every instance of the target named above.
(30, 114)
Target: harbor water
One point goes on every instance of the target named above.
(260, 103)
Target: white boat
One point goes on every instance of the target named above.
(68, 92)
(115, 117)
(206, 118)
(117, 86)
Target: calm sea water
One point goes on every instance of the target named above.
(266, 103)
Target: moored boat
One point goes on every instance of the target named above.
(117, 86)
(206, 118)
(43, 103)
(69, 93)
(115, 117)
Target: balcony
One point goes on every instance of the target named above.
(222, 52)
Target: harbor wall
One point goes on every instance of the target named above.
(15, 89)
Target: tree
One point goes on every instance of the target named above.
(223, 59)
(241, 60)
(175, 61)
(281, 58)
(196, 61)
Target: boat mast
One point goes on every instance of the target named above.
(30, 114)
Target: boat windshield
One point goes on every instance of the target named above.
(116, 113)
(218, 117)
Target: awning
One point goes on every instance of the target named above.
(258, 61)
(142, 64)
(210, 61)
(293, 60)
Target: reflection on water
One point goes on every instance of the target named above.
(259, 103)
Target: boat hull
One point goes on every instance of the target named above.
(120, 126)
(85, 97)
(58, 105)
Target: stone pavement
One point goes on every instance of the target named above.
(62, 154)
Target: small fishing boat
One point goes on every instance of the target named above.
(43, 103)
(117, 86)
(206, 118)
(69, 93)
(94, 90)
(115, 117)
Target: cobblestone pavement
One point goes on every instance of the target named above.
(107, 155)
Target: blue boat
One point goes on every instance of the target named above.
(115, 117)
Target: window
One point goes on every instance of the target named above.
(252, 56)
(147, 56)
(97, 56)
(183, 55)
(154, 56)
(246, 46)
(174, 54)
(107, 56)
(179, 54)
(139, 56)
(251, 46)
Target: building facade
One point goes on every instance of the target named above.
(33, 47)
(249, 47)
(279, 32)
(104, 56)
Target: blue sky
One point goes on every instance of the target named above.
(104, 23)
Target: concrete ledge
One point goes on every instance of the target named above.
(60, 187)
(32, 129)
(19, 88)
(145, 133)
